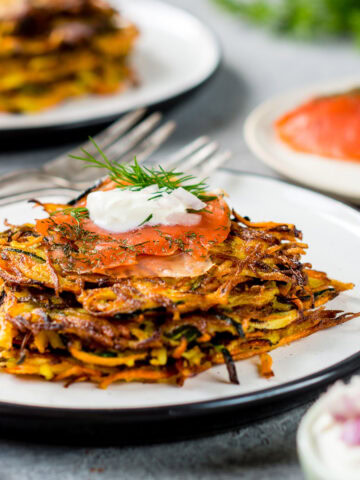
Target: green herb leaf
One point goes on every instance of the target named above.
(188, 331)
(301, 18)
(107, 354)
(146, 220)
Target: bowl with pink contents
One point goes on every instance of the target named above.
(328, 438)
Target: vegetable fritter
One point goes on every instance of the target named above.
(257, 296)
(54, 50)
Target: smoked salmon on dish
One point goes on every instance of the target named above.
(150, 276)
(327, 125)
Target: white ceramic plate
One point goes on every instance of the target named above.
(333, 231)
(333, 176)
(174, 54)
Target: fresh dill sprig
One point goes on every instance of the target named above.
(135, 177)
(79, 213)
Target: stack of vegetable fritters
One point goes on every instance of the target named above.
(254, 297)
(51, 50)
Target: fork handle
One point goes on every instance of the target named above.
(15, 176)
(25, 173)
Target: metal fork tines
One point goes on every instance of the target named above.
(121, 141)
(200, 157)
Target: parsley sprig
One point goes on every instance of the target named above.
(135, 177)
(301, 18)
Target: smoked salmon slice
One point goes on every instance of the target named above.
(81, 246)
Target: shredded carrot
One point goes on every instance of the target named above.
(141, 374)
(204, 338)
(181, 348)
(274, 249)
(296, 301)
(74, 371)
(264, 225)
(85, 357)
(265, 366)
(245, 324)
(30, 241)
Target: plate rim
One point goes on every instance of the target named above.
(299, 94)
(203, 407)
(195, 84)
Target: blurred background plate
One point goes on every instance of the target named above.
(341, 178)
(174, 54)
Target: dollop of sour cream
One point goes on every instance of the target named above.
(336, 432)
(121, 210)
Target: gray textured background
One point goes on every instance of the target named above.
(255, 66)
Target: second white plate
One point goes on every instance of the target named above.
(174, 54)
(332, 176)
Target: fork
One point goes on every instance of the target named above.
(200, 157)
(121, 141)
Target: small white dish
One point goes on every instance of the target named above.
(312, 466)
(338, 177)
(323, 454)
(175, 53)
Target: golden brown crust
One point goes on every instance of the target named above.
(257, 297)
(54, 50)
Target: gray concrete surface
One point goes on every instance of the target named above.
(264, 451)
(255, 66)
